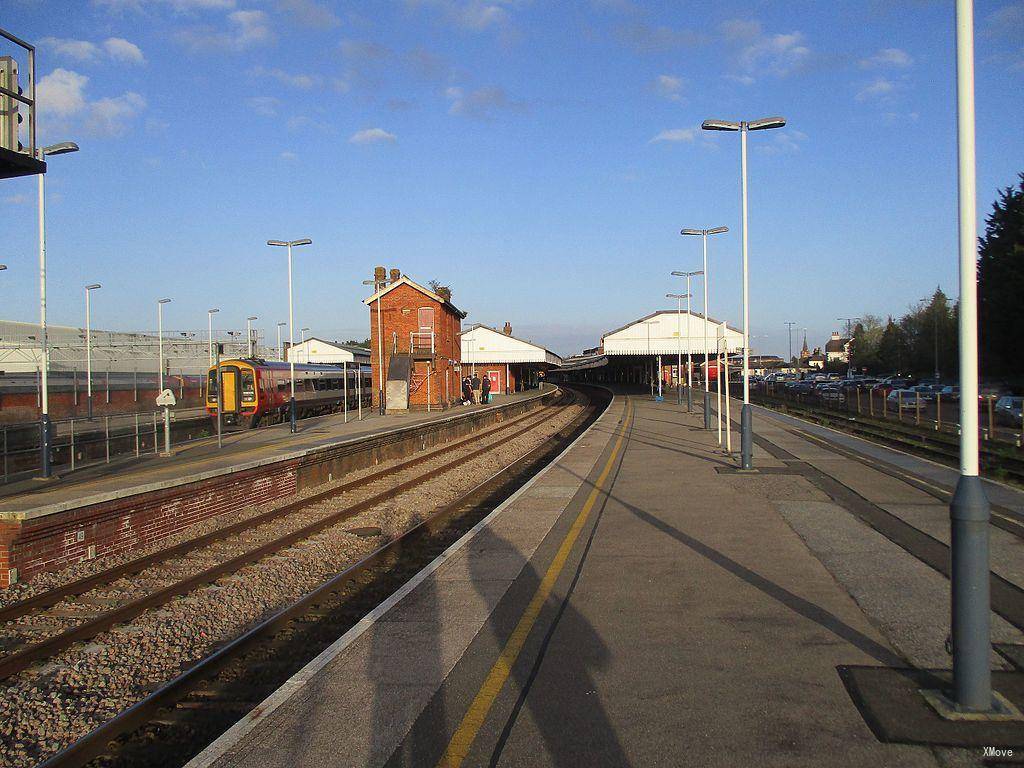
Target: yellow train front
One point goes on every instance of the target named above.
(258, 392)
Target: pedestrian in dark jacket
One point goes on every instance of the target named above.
(467, 391)
(476, 388)
(486, 391)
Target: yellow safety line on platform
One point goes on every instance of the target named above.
(474, 718)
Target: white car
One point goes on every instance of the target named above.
(909, 397)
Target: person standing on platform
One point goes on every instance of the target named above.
(467, 391)
(476, 389)
(486, 391)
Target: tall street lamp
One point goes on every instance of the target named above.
(679, 340)
(160, 340)
(88, 347)
(789, 325)
(969, 509)
(377, 287)
(707, 389)
(689, 377)
(248, 335)
(291, 318)
(209, 332)
(302, 335)
(280, 351)
(3, 267)
(746, 428)
(61, 148)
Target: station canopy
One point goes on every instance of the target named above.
(667, 332)
(483, 344)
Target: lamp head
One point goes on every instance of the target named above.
(691, 232)
(719, 125)
(60, 148)
(3, 267)
(766, 122)
(718, 230)
(212, 311)
(677, 295)
(252, 318)
(163, 301)
(276, 242)
(93, 287)
(303, 241)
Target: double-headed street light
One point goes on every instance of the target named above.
(88, 347)
(61, 148)
(679, 339)
(248, 335)
(689, 376)
(291, 319)
(160, 340)
(707, 388)
(746, 429)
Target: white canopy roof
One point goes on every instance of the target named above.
(314, 350)
(481, 344)
(666, 332)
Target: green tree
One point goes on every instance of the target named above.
(1001, 285)
(892, 348)
(866, 337)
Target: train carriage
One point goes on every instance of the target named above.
(258, 391)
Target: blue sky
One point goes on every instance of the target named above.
(539, 156)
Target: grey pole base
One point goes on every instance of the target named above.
(969, 513)
(44, 445)
(746, 438)
(689, 399)
(707, 410)
(293, 415)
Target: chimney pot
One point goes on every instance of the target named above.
(395, 274)
(380, 275)
(508, 329)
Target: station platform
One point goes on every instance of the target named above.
(120, 508)
(641, 602)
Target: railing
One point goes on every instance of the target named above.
(10, 141)
(421, 342)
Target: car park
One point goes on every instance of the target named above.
(1008, 410)
(909, 398)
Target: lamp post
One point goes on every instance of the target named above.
(302, 335)
(291, 319)
(280, 352)
(679, 339)
(969, 509)
(689, 378)
(209, 332)
(380, 347)
(250, 347)
(61, 148)
(160, 340)
(743, 127)
(789, 325)
(707, 389)
(88, 347)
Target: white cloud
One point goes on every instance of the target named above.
(645, 38)
(112, 116)
(309, 13)
(472, 15)
(181, 6)
(120, 49)
(668, 86)
(263, 105)
(784, 142)
(675, 134)
(757, 52)
(61, 93)
(17, 199)
(79, 50)
(887, 57)
(246, 29)
(880, 88)
(62, 102)
(294, 80)
(288, 156)
(482, 103)
(741, 79)
(372, 136)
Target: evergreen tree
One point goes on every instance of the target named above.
(1001, 285)
(892, 348)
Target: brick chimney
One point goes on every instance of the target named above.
(396, 273)
(445, 293)
(380, 276)
(508, 329)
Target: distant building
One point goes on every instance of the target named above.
(315, 350)
(837, 349)
(816, 360)
(512, 364)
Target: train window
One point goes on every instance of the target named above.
(211, 387)
(248, 387)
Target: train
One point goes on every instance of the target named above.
(259, 391)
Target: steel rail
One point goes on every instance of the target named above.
(53, 596)
(98, 741)
(22, 659)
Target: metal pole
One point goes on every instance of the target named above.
(969, 508)
(167, 431)
(291, 344)
(359, 391)
(746, 426)
(72, 445)
(380, 356)
(428, 386)
(44, 440)
(248, 337)
(718, 389)
(345, 390)
(280, 354)
(689, 375)
(156, 441)
(707, 389)
(138, 448)
(679, 346)
(209, 336)
(728, 397)
(159, 345)
(220, 401)
(106, 435)
(88, 354)
(660, 395)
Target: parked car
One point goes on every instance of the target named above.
(909, 398)
(832, 394)
(950, 392)
(800, 387)
(926, 391)
(1008, 410)
(890, 383)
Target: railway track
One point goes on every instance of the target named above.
(348, 588)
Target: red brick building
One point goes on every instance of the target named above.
(420, 354)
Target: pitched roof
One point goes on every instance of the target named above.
(667, 312)
(405, 280)
(837, 345)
